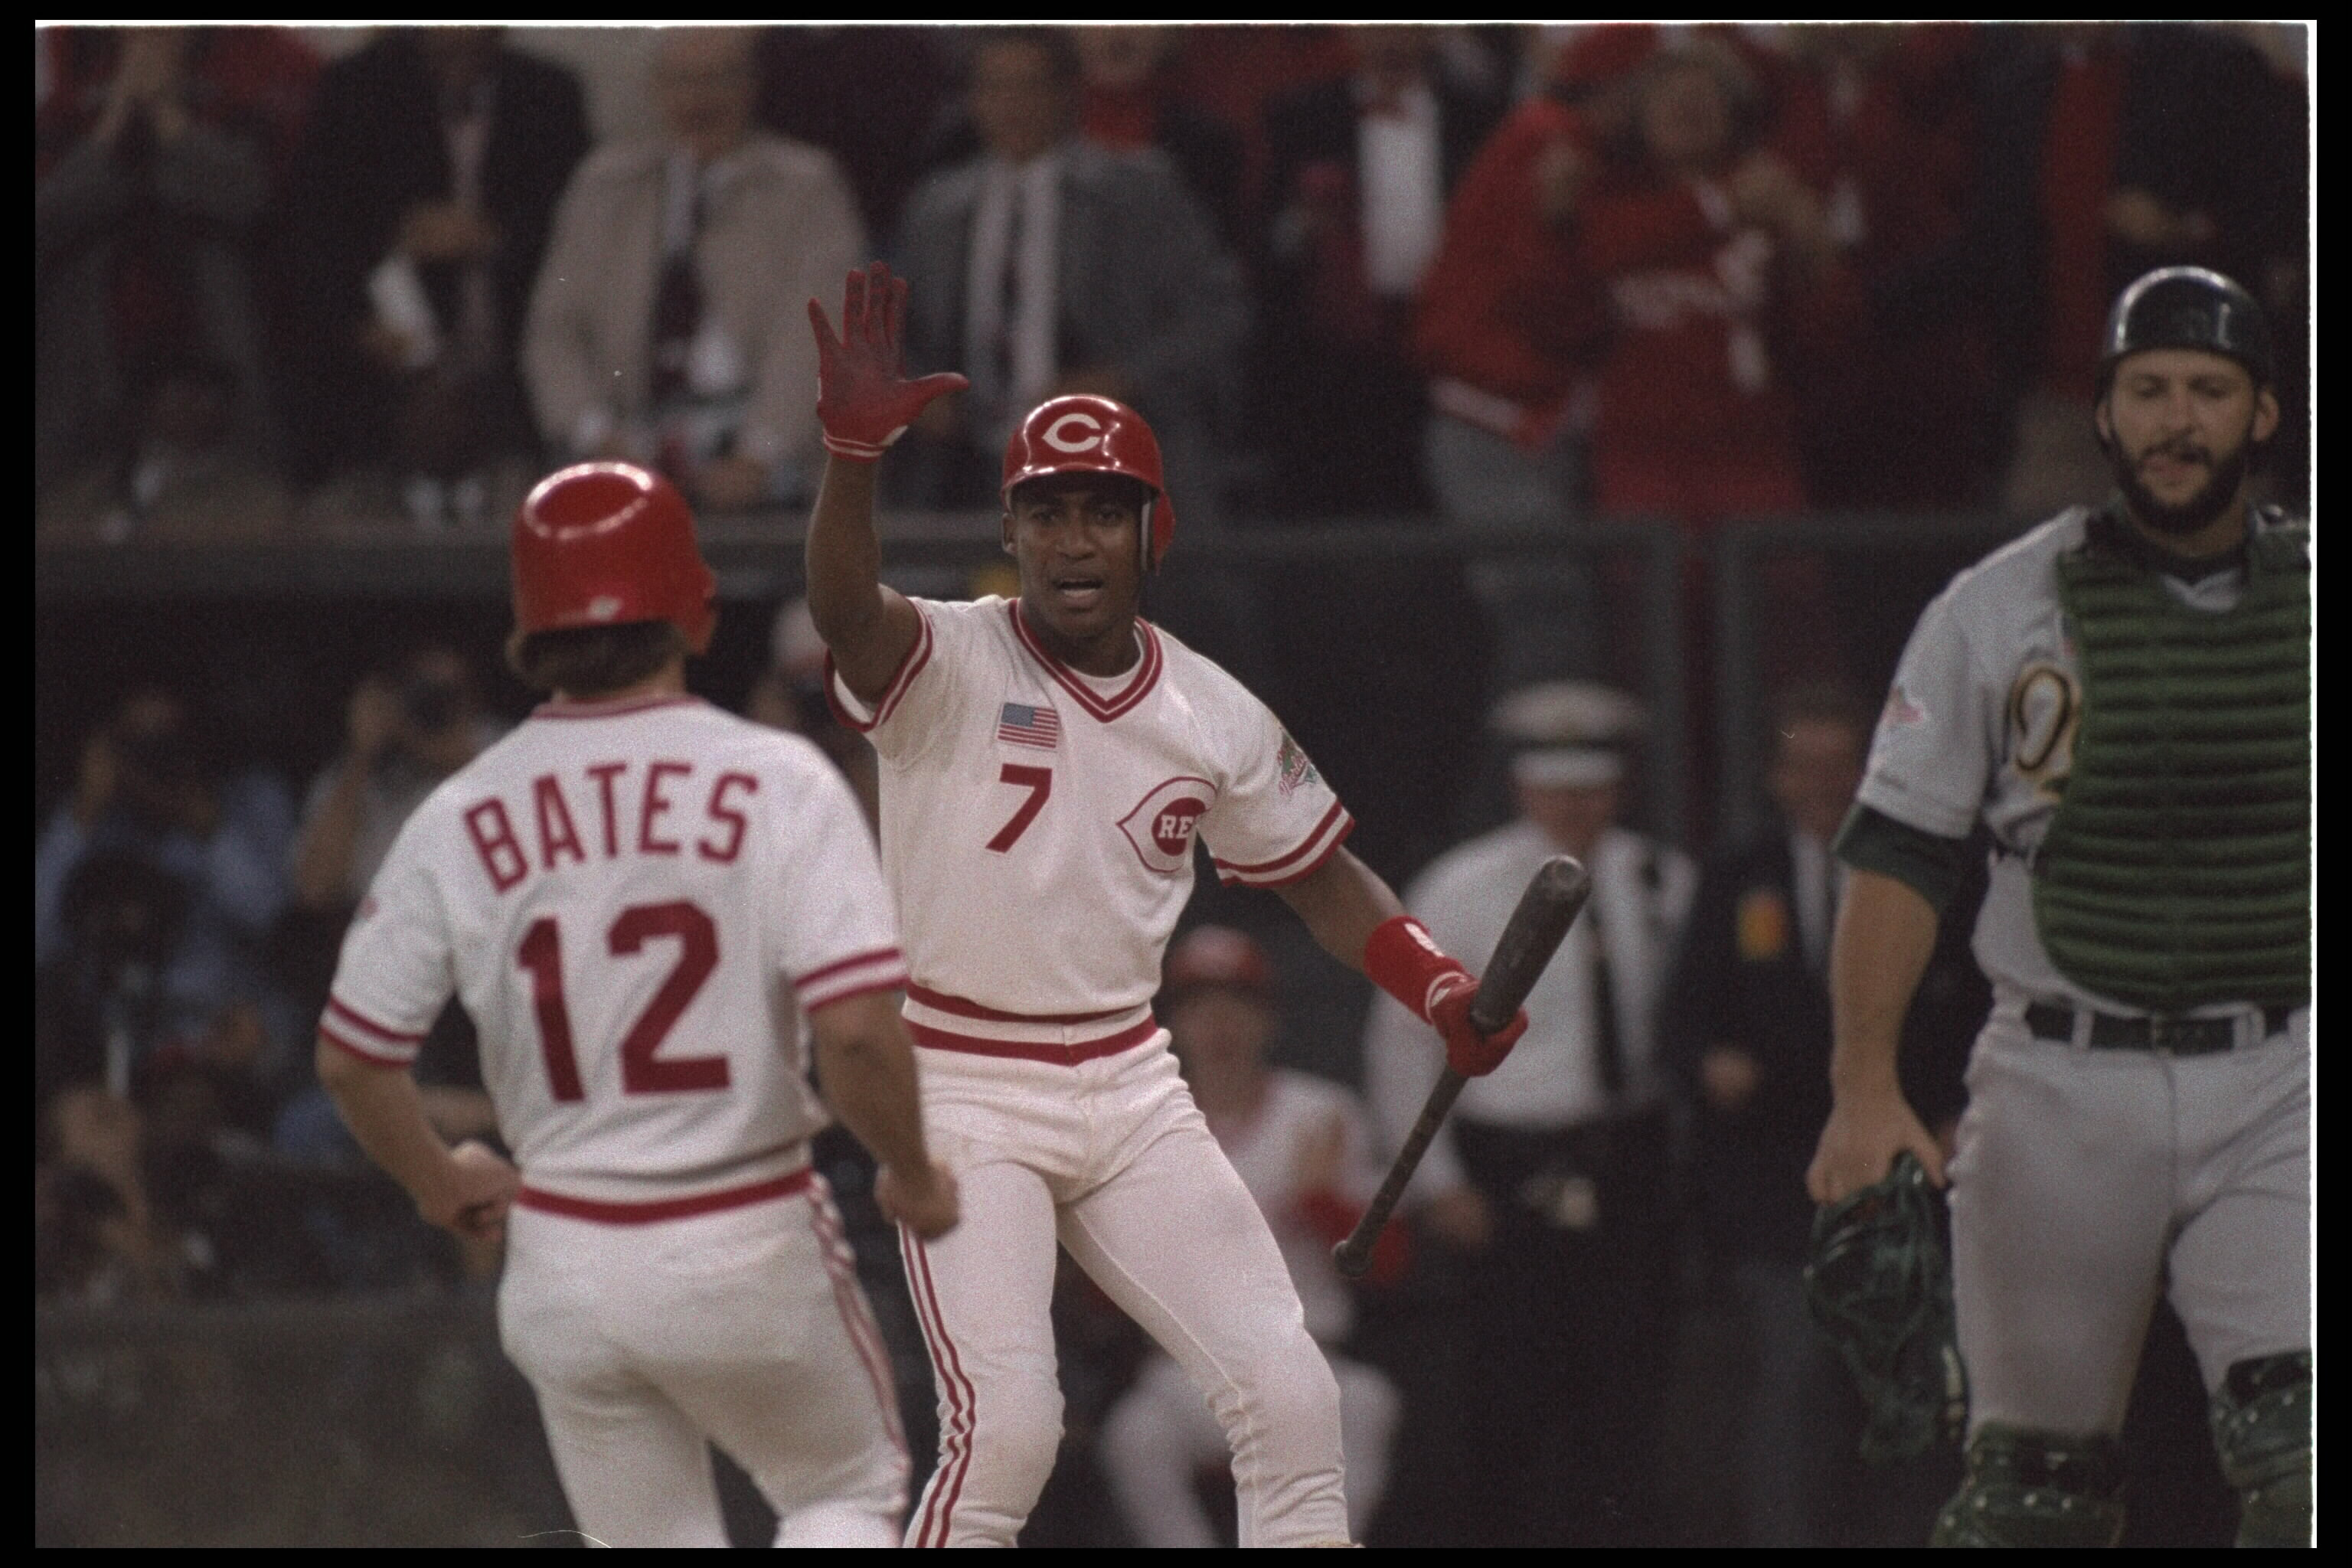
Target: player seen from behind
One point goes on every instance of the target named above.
(2123, 698)
(646, 905)
(1046, 766)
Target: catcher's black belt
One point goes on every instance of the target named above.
(2165, 1036)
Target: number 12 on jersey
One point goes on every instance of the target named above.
(643, 1069)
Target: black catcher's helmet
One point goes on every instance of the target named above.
(2186, 308)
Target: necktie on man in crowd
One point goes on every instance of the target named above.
(465, 126)
(1608, 1049)
(1010, 319)
(677, 298)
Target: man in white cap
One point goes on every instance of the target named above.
(1552, 1168)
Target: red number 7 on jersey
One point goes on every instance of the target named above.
(1039, 781)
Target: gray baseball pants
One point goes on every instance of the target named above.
(2085, 1181)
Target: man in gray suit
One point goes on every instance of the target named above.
(1048, 265)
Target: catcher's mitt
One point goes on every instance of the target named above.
(1879, 1282)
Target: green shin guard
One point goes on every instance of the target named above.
(2036, 1489)
(2261, 1428)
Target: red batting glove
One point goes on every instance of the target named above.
(864, 398)
(1468, 1052)
(1403, 961)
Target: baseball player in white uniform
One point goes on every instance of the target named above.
(1048, 764)
(1303, 1146)
(2122, 698)
(645, 905)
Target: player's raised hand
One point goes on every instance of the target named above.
(476, 1189)
(1468, 1052)
(863, 399)
(927, 1205)
(1864, 1135)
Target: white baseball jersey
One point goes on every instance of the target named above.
(1037, 823)
(1299, 1109)
(1642, 893)
(636, 903)
(1980, 722)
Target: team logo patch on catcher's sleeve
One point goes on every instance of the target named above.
(1292, 768)
(1901, 712)
(1163, 823)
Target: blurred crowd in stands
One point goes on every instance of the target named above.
(1505, 279)
(1514, 275)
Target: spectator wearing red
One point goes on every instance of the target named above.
(1508, 327)
(155, 153)
(1232, 72)
(2104, 152)
(1128, 101)
(1882, 119)
(1719, 263)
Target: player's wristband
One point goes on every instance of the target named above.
(1404, 960)
(858, 451)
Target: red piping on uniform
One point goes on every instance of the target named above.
(850, 1301)
(895, 980)
(1031, 1051)
(1257, 876)
(613, 709)
(885, 971)
(352, 1047)
(939, 1001)
(602, 1213)
(947, 1483)
(911, 665)
(1289, 878)
(366, 1025)
(813, 975)
(1105, 709)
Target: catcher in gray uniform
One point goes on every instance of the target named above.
(2123, 697)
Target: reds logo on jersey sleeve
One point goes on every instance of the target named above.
(1038, 825)
(635, 904)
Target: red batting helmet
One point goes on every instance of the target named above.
(1081, 434)
(599, 543)
(1220, 956)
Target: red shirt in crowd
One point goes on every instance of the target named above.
(1506, 307)
(1694, 417)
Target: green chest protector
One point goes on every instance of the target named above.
(2177, 872)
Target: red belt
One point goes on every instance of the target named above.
(1033, 1051)
(649, 1212)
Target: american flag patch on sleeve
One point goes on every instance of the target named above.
(1024, 725)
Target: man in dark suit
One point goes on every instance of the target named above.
(1050, 265)
(419, 210)
(1359, 169)
(1747, 1028)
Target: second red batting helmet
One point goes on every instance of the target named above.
(1220, 956)
(599, 544)
(1082, 435)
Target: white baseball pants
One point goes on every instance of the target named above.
(1109, 1158)
(2085, 1178)
(744, 1328)
(1161, 1434)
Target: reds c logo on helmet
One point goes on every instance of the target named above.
(1082, 435)
(603, 543)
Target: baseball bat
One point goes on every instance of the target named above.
(1554, 896)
